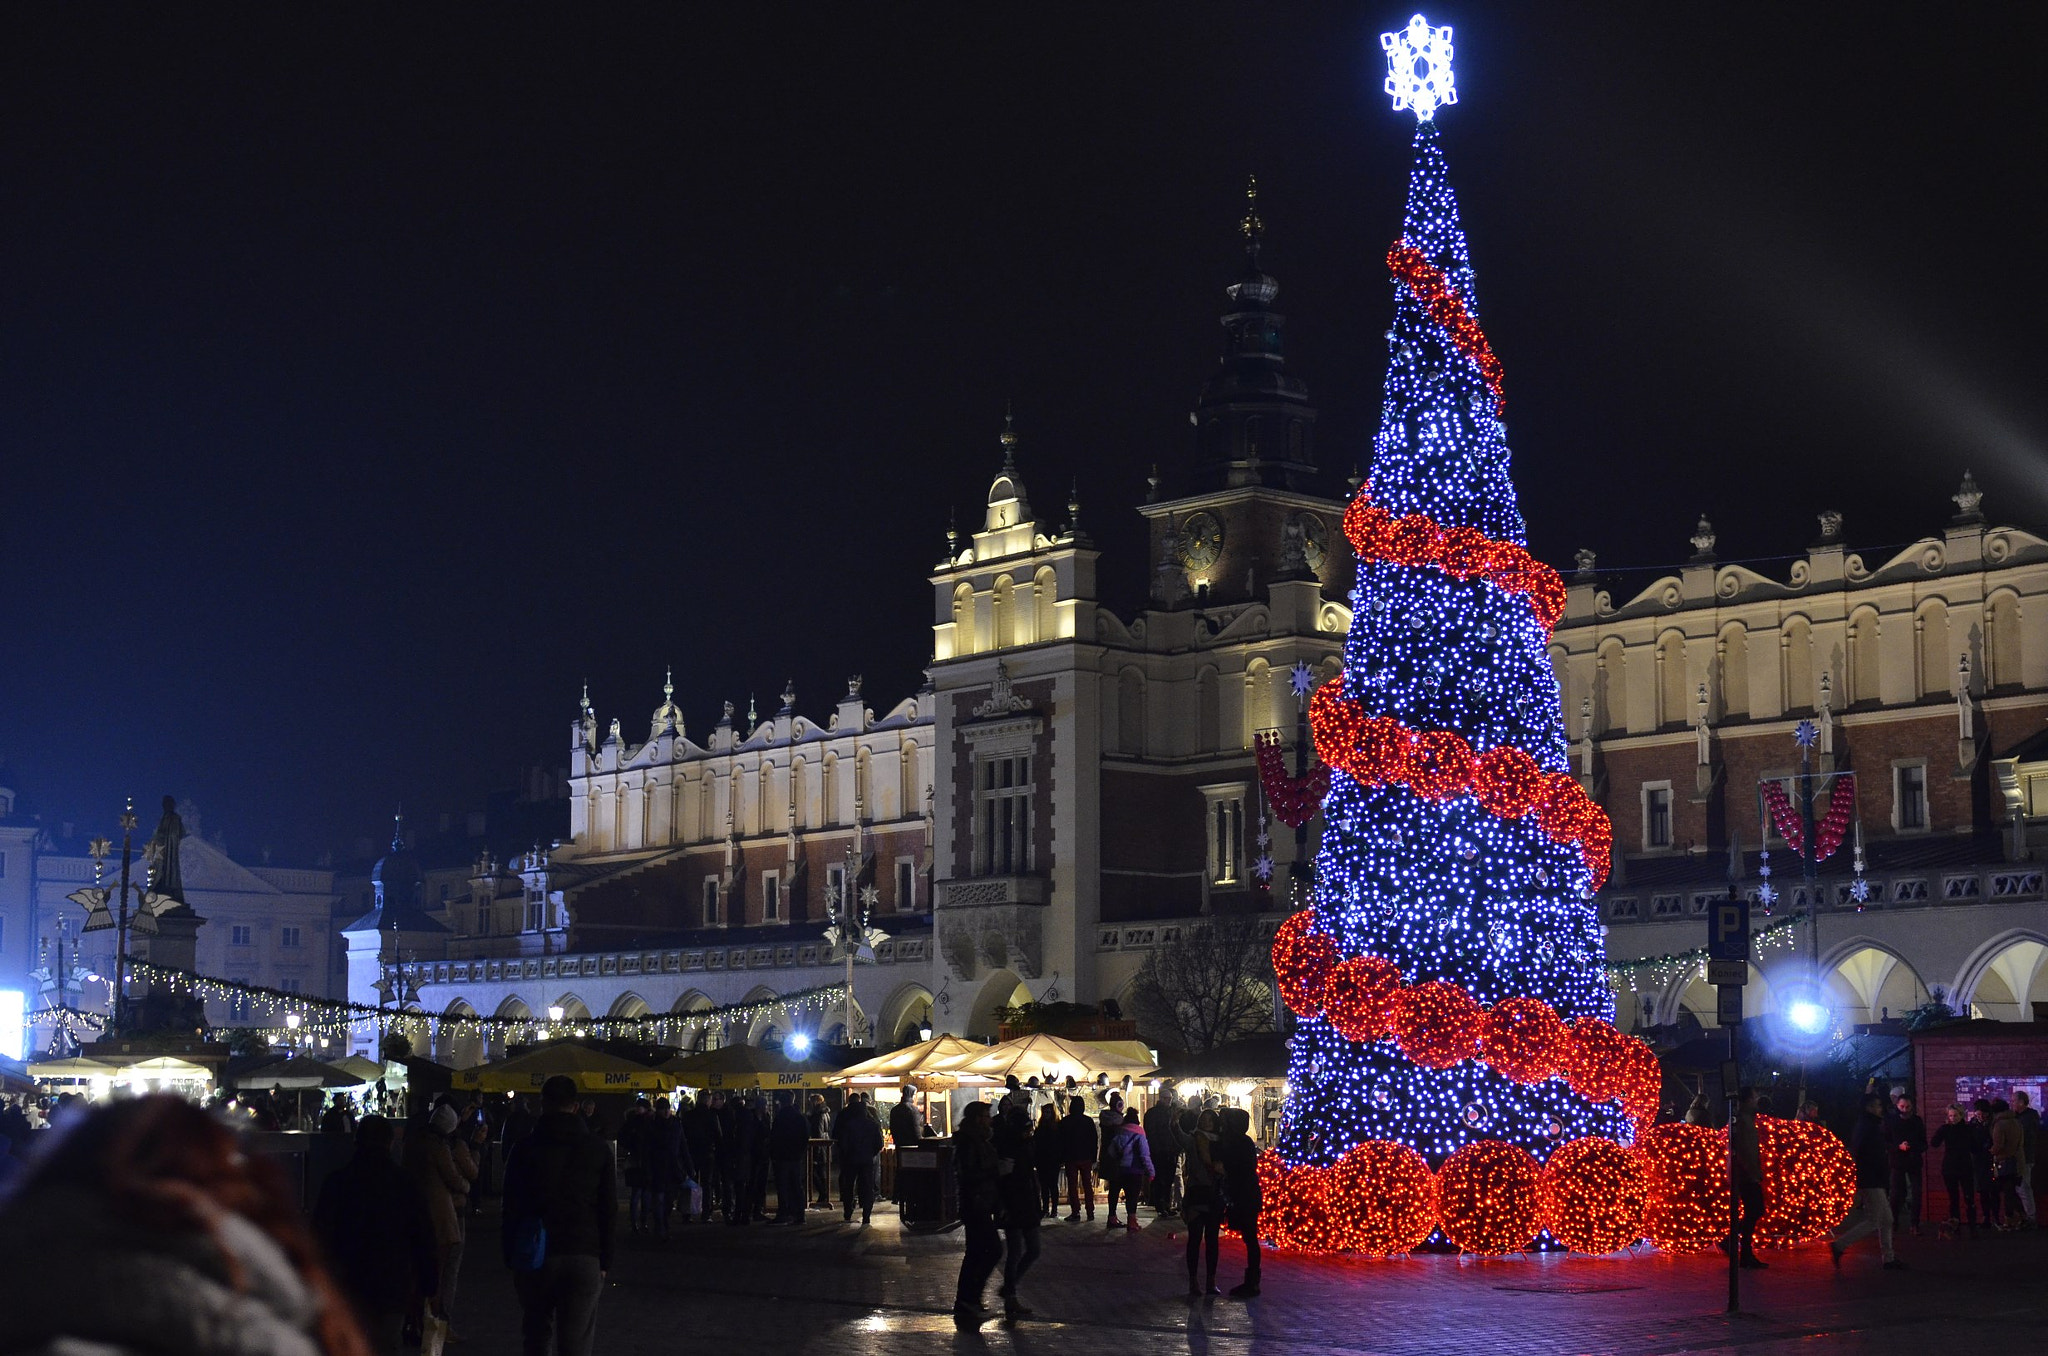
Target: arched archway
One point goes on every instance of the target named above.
(1866, 983)
(773, 1021)
(2003, 981)
(574, 1010)
(511, 1010)
(455, 1047)
(1693, 994)
(901, 1013)
(1003, 989)
(629, 1005)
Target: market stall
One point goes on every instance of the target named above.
(591, 1070)
(755, 1067)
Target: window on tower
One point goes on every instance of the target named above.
(1003, 816)
(906, 885)
(1909, 796)
(1225, 817)
(1657, 815)
(536, 910)
(711, 902)
(771, 897)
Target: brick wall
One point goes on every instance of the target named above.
(2014, 1050)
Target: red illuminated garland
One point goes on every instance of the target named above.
(1594, 1195)
(1437, 1024)
(1294, 799)
(1487, 1197)
(1832, 828)
(1461, 552)
(1411, 267)
(1439, 764)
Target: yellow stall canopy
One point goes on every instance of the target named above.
(751, 1066)
(591, 1070)
(1053, 1059)
(936, 1061)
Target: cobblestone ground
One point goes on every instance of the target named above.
(836, 1289)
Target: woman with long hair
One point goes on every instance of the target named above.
(146, 1226)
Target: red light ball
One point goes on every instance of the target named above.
(1381, 1200)
(1593, 1194)
(1357, 996)
(1809, 1182)
(1487, 1198)
(1523, 1038)
(1685, 1174)
(1436, 1024)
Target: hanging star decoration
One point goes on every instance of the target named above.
(1301, 678)
(1807, 733)
(1262, 866)
(1419, 67)
(1859, 890)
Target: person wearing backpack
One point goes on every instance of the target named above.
(561, 1197)
(1130, 1168)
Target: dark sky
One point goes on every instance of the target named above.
(372, 375)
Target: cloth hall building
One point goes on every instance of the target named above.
(1071, 787)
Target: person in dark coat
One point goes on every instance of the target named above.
(1746, 1175)
(1017, 1194)
(789, 1143)
(1159, 1138)
(738, 1163)
(633, 1149)
(1045, 1152)
(980, 1175)
(1955, 1138)
(818, 1120)
(857, 1139)
(1079, 1143)
(373, 1222)
(703, 1133)
(1905, 1146)
(1873, 1209)
(1239, 1159)
(667, 1157)
(1980, 1161)
(562, 1176)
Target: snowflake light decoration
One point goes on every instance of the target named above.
(1262, 866)
(1807, 733)
(1301, 678)
(1419, 68)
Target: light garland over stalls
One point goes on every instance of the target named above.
(338, 1017)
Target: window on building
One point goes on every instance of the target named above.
(238, 1005)
(288, 936)
(1657, 815)
(290, 984)
(1223, 813)
(1004, 816)
(536, 910)
(771, 897)
(239, 934)
(711, 903)
(1909, 796)
(3, 866)
(906, 885)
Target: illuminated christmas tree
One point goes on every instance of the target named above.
(1448, 979)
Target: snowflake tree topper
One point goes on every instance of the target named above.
(1419, 68)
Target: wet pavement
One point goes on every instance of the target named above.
(827, 1287)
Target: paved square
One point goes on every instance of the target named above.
(837, 1290)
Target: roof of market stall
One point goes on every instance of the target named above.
(591, 1070)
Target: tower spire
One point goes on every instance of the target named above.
(1252, 227)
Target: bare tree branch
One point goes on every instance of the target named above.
(1213, 986)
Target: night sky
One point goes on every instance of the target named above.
(371, 376)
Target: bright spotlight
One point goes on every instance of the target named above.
(1808, 1016)
(798, 1045)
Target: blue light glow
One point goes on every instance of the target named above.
(797, 1046)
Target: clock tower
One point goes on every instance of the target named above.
(1245, 513)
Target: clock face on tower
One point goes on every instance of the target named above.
(1201, 540)
(1314, 539)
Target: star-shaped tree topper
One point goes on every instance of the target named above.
(1301, 678)
(1419, 68)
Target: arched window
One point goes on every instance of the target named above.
(1865, 667)
(1045, 592)
(912, 792)
(1258, 699)
(1796, 644)
(963, 619)
(1003, 612)
(2003, 644)
(1735, 671)
(1674, 699)
(829, 784)
(1610, 689)
(1937, 655)
(1130, 712)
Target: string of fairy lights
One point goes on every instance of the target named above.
(332, 1017)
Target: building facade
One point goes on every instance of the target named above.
(1072, 787)
(1923, 672)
